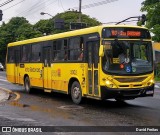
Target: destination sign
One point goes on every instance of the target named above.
(125, 33)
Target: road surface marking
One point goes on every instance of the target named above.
(17, 96)
(3, 80)
(17, 118)
(21, 119)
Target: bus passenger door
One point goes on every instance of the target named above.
(93, 59)
(16, 69)
(47, 67)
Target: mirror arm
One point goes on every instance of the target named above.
(101, 51)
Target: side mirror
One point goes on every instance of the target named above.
(101, 51)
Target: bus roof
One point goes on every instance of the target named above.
(69, 34)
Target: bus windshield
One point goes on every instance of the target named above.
(127, 57)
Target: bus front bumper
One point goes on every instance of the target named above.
(107, 93)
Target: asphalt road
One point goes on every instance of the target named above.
(45, 109)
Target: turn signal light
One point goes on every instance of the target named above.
(121, 66)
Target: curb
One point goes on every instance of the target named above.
(4, 95)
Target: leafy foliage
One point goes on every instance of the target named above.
(18, 28)
(152, 7)
(47, 26)
(72, 16)
(44, 26)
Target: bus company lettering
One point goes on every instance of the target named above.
(56, 73)
(32, 69)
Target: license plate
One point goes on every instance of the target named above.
(149, 92)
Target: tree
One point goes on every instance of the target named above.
(73, 16)
(18, 28)
(44, 26)
(26, 31)
(152, 7)
(47, 26)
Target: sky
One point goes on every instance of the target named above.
(112, 11)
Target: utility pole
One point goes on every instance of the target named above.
(80, 6)
(1, 14)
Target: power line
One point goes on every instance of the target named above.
(40, 8)
(60, 2)
(117, 22)
(26, 11)
(35, 7)
(95, 4)
(14, 5)
(31, 8)
(5, 3)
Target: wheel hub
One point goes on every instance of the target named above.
(76, 92)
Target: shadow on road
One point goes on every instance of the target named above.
(88, 103)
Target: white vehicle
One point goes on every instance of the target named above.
(1, 67)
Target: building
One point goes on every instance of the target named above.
(156, 52)
(156, 57)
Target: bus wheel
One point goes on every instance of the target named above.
(27, 85)
(76, 92)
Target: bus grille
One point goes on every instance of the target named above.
(131, 93)
(127, 80)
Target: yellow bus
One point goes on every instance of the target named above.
(102, 62)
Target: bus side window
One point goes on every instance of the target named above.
(10, 54)
(36, 52)
(65, 50)
(75, 48)
(58, 49)
(54, 50)
(80, 56)
(81, 49)
(25, 53)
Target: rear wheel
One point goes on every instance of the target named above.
(76, 92)
(27, 86)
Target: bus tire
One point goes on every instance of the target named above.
(27, 85)
(76, 92)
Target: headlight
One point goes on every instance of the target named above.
(151, 81)
(110, 84)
